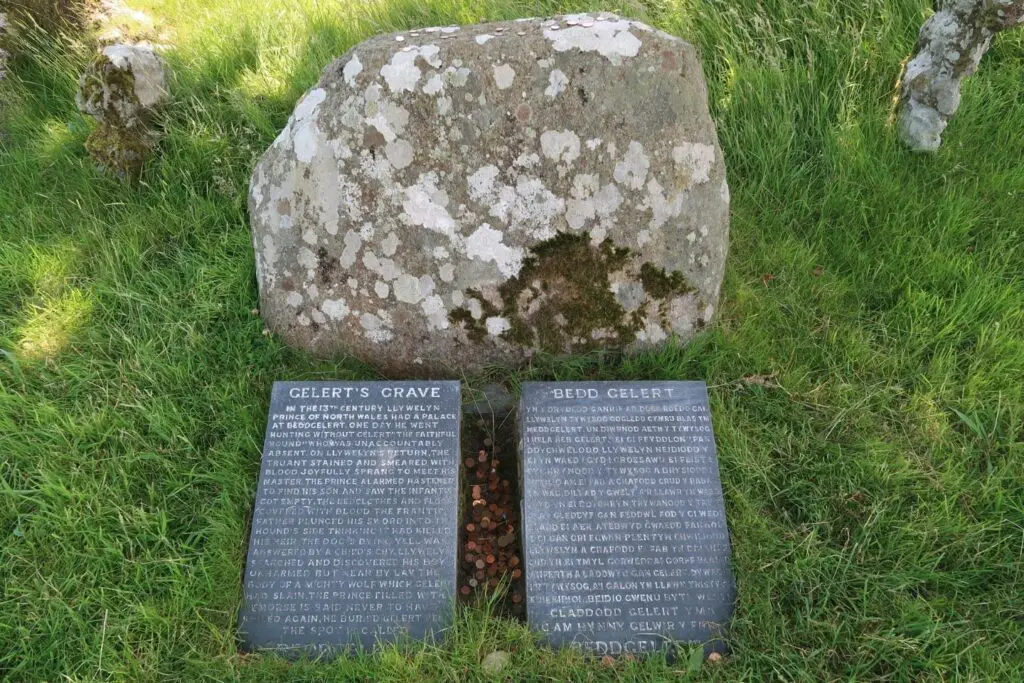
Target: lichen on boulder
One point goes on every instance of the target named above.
(450, 198)
(122, 88)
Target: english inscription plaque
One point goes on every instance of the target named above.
(354, 530)
(625, 537)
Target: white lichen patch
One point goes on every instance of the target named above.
(376, 327)
(336, 309)
(352, 69)
(407, 289)
(497, 325)
(527, 207)
(590, 200)
(434, 85)
(399, 153)
(305, 134)
(401, 74)
(698, 158)
(387, 117)
(389, 245)
(611, 39)
(556, 83)
(424, 205)
(486, 244)
(504, 76)
(662, 206)
(352, 243)
(561, 146)
(307, 259)
(435, 312)
(631, 170)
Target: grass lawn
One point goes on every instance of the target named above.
(875, 495)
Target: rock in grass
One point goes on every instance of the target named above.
(495, 661)
(449, 198)
(122, 88)
(949, 49)
(5, 37)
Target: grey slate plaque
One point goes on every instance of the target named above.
(354, 530)
(625, 539)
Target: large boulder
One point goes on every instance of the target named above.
(449, 198)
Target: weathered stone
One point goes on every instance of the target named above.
(449, 198)
(122, 88)
(123, 85)
(5, 43)
(122, 151)
(496, 661)
(949, 48)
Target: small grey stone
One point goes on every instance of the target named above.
(122, 84)
(496, 661)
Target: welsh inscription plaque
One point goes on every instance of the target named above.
(354, 530)
(625, 537)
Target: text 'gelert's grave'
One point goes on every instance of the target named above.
(354, 530)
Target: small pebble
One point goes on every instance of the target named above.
(495, 662)
(400, 38)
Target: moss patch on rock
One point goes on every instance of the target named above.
(122, 151)
(563, 300)
(108, 93)
(661, 285)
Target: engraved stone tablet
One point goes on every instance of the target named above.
(354, 531)
(626, 543)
